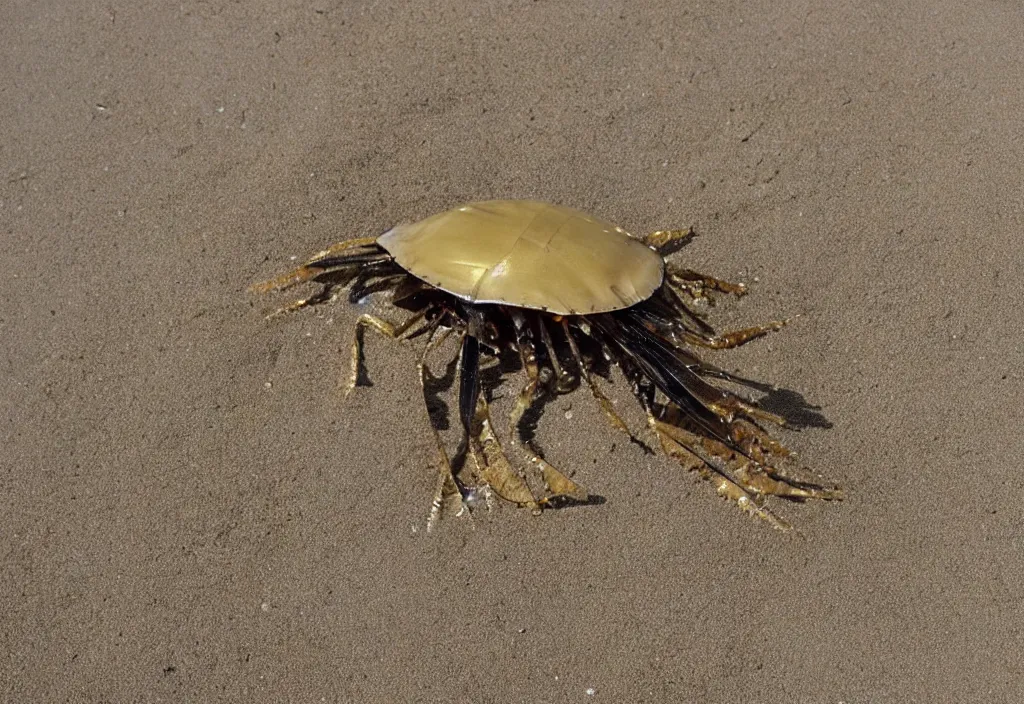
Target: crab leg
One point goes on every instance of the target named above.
(681, 373)
(334, 249)
(493, 466)
(714, 409)
(385, 328)
(664, 241)
(557, 484)
(694, 283)
(469, 399)
(469, 380)
(513, 486)
(656, 360)
(325, 294)
(563, 381)
(737, 456)
(324, 262)
(692, 459)
(677, 305)
(724, 404)
(528, 355)
(729, 340)
(753, 475)
(447, 496)
(606, 405)
(493, 469)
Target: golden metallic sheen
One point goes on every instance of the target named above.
(570, 294)
(514, 252)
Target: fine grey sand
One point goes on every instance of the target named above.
(190, 510)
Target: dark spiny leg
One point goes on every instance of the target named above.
(691, 458)
(469, 380)
(681, 367)
(528, 355)
(747, 455)
(675, 443)
(406, 289)
(751, 467)
(557, 484)
(563, 381)
(385, 328)
(679, 372)
(447, 497)
(331, 279)
(723, 403)
(493, 468)
(671, 297)
(606, 404)
(655, 358)
(645, 391)
(374, 280)
(703, 426)
(469, 397)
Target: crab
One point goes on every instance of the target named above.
(566, 292)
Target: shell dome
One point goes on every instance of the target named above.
(528, 254)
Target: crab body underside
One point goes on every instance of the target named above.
(556, 285)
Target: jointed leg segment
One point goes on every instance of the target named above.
(528, 356)
(729, 340)
(665, 240)
(495, 470)
(706, 428)
(694, 283)
(335, 249)
(563, 380)
(313, 268)
(327, 293)
(447, 496)
(695, 286)
(382, 326)
(602, 400)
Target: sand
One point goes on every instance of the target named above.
(190, 510)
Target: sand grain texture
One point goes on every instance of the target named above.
(191, 512)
